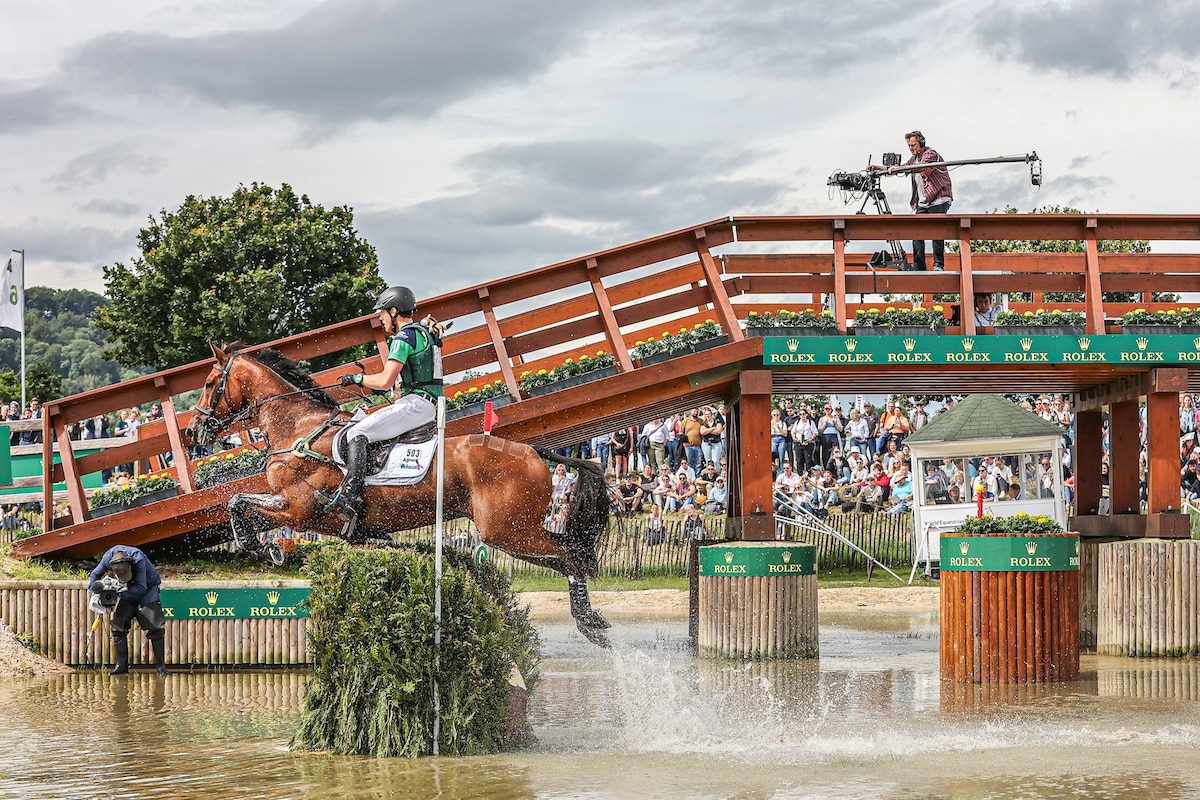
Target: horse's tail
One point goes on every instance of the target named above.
(587, 513)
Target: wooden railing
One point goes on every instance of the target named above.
(717, 270)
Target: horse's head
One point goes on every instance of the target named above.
(222, 398)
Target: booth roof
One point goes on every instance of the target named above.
(984, 416)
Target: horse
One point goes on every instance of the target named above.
(503, 486)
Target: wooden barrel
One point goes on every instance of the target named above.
(758, 600)
(1010, 608)
(1148, 600)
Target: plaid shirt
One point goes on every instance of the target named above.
(935, 181)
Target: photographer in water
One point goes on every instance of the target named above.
(931, 194)
(134, 596)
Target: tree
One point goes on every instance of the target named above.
(1067, 246)
(41, 381)
(256, 266)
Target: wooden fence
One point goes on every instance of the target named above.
(628, 553)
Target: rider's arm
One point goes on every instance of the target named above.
(386, 379)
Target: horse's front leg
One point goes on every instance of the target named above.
(589, 621)
(247, 513)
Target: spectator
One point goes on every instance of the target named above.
(620, 445)
(682, 494)
(935, 483)
(858, 431)
(662, 488)
(718, 498)
(692, 440)
(919, 417)
(872, 420)
(804, 441)
(712, 431)
(829, 427)
(561, 483)
(985, 310)
(893, 426)
(656, 434)
(779, 440)
(694, 528)
(656, 528)
(839, 467)
(902, 493)
(629, 495)
(1045, 478)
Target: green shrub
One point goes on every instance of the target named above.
(372, 644)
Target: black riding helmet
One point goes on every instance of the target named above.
(397, 298)
(122, 566)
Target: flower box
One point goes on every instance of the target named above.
(573, 381)
(707, 344)
(899, 330)
(471, 409)
(1039, 330)
(1161, 330)
(780, 330)
(144, 500)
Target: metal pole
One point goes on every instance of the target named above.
(439, 521)
(1029, 158)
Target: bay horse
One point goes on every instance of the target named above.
(503, 486)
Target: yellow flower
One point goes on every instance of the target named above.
(1170, 312)
(890, 309)
(938, 309)
(230, 456)
(525, 374)
(499, 382)
(698, 326)
(827, 313)
(472, 390)
(1028, 314)
(568, 362)
(541, 372)
(1056, 313)
(1185, 310)
(582, 358)
(600, 354)
(1143, 311)
(457, 395)
(127, 487)
(783, 311)
(639, 343)
(1043, 520)
(666, 334)
(709, 321)
(753, 314)
(685, 330)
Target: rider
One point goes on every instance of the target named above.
(413, 371)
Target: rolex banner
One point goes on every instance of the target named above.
(999, 349)
(12, 289)
(240, 603)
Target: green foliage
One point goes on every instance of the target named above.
(676, 342)
(1184, 316)
(783, 318)
(569, 369)
(372, 638)
(1018, 524)
(1041, 317)
(891, 316)
(126, 494)
(229, 466)
(1067, 246)
(257, 266)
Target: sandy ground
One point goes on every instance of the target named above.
(673, 601)
(16, 661)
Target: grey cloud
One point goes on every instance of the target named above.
(532, 205)
(97, 165)
(346, 60)
(82, 245)
(114, 208)
(1119, 38)
(27, 109)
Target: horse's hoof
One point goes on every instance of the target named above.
(594, 635)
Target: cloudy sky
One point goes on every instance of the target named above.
(479, 139)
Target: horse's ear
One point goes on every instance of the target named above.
(219, 354)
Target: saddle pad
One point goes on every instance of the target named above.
(406, 463)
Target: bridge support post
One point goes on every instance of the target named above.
(751, 509)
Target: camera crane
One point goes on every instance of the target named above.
(865, 184)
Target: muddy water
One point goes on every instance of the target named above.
(870, 719)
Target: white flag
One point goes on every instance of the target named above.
(12, 292)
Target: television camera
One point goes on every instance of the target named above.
(865, 184)
(107, 595)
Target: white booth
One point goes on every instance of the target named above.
(990, 442)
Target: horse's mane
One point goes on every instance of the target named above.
(291, 372)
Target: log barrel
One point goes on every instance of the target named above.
(757, 600)
(1010, 608)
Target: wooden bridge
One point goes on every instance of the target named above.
(720, 271)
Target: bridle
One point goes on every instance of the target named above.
(208, 416)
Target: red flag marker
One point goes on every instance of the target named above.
(489, 418)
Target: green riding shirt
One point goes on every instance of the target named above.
(420, 353)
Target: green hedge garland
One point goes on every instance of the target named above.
(371, 639)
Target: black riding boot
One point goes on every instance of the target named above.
(348, 501)
(122, 649)
(159, 646)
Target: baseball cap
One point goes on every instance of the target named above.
(855, 450)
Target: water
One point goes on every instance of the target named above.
(648, 720)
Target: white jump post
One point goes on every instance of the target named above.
(439, 521)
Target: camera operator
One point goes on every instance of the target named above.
(931, 194)
(139, 599)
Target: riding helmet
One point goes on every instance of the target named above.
(400, 298)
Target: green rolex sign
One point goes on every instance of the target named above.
(757, 560)
(186, 604)
(1010, 553)
(998, 349)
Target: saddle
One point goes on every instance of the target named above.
(378, 453)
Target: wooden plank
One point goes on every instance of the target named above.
(1094, 296)
(612, 330)
(966, 280)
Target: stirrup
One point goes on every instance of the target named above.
(335, 503)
